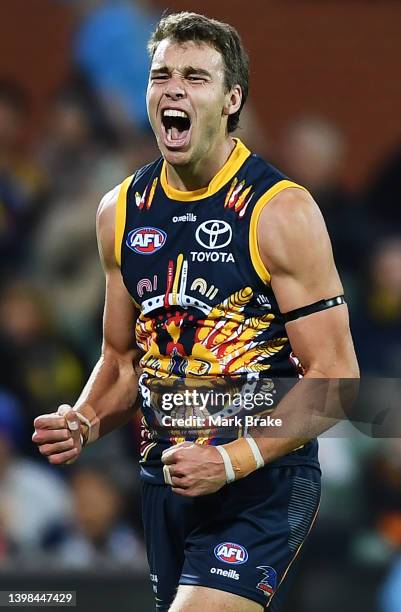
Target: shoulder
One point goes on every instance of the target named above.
(108, 203)
(293, 205)
(105, 217)
(105, 225)
(291, 226)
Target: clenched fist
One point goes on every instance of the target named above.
(192, 469)
(58, 435)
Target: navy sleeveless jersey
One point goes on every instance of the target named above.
(191, 264)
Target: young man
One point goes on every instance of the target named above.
(204, 250)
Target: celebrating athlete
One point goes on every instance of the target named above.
(217, 267)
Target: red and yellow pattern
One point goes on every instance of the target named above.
(226, 342)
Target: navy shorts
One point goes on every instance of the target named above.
(241, 539)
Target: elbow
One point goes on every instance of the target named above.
(118, 366)
(111, 355)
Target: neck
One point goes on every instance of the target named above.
(199, 173)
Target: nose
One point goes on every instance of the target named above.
(175, 89)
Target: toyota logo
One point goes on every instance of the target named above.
(214, 234)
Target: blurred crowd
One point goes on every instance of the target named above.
(95, 133)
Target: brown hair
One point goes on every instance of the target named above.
(183, 27)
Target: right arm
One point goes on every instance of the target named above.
(108, 399)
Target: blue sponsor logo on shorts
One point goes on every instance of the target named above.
(229, 552)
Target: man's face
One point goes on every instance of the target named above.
(186, 100)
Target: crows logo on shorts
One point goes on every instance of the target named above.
(269, 581)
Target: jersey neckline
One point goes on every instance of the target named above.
(238, 156)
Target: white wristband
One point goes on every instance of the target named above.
(167, 475)
(230, 475)
(256, 452)
(83, 419)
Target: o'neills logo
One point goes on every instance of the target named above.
(225, 573)
(189, 217)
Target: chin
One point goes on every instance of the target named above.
(176, 158)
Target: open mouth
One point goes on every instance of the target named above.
(176, 128)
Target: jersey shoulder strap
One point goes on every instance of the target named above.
(133, 183)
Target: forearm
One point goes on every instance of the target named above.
(313, 405)
(108, 398)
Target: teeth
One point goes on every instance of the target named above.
(170, 112)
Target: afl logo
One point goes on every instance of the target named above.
(214, 234)
(146, 240)
(231, 553)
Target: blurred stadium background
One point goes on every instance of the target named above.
(325, 107)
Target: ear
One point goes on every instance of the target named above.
(233, 100)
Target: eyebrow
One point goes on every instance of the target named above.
(186, 71)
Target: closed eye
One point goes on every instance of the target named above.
(196, 79)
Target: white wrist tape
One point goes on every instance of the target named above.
(88, 424)
(256, 452)
(167, 475)
(241, 457)
(230, 475)
(83, 419)
(64, 409)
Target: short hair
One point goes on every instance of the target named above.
(185, 26)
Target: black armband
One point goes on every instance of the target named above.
(311, 308)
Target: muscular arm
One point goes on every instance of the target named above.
(108, 399)
(112, 388)
(296, 250)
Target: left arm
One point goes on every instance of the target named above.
(295, 248)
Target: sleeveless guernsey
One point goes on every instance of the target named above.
(206, 310)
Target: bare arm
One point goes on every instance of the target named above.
(112, 388)
(108, 398)
(295, 248)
